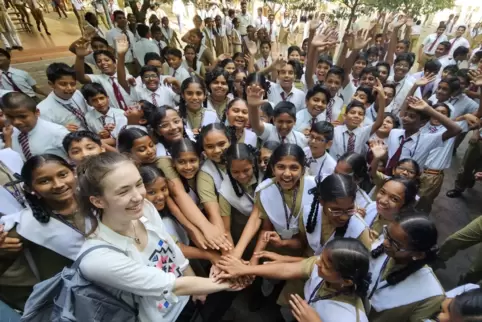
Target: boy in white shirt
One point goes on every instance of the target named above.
(82, 144)
(176, 69)
(334, 81)
(265, 61)
(144, 45)
(321, 163)
(65, 105)
(121, 29)
(403, 64)
(285, 90)
(316, 100)
(30, 134)
(103, 120)
(272, 29)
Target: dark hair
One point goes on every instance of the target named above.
(55, 71)
(5, 53)
(224, 62)
(205, 131)
(358, 165)
(107, 53)
(446, 45)
(453, 82)
(407, 57)
(324, 128)
(155, 119)
(372, 51)
(151, 56)
(126, 138)
(174, 52)
(297, 67)
(214, 74)
(185, 84)
(461, 50)
(383, 64)
(260, 79)
(361, 56)
(351, 260)
(142, 30)
(13, 100)
(411, 187)
(432, 66)
(148, 68)
(117, 13)
(451, 69)
(283, 150)
(270, 145)
(230, 104)
(99, 39)
(149, 175)
(155, 28)
(294, 48)
(422, 235)
(447, 108)
(325, 59)
(194, 62)
(338, 71)
(333, 187)
(267, 109)
(241, 151)
(395, 120)
(318, 89)
(77, 136)
(92, 89)
(178, 147)
(392, 86)
(468, 305)
(285, 107)
(368, 92)
(353, 104)
(464, 73)
(405, 42)
(265, 42)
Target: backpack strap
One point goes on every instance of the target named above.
(76, 264)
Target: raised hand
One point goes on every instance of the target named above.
(400, 23)
(417, 103)
(122, 44)
(359, 42)
(378, 88)
(82, 48)
(379, 149)
(426, 79)
(254, 95)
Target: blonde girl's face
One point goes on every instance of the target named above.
(157, 193)
(187, 164)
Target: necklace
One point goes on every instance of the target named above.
(136, 239)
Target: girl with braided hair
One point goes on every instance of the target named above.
(338, 279)
(236, 198)
(403, 287)
(236, 118)
(186, 162)
(220, 87)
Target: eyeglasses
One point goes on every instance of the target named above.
(317, 139)
(410, 171)
(339, 213)
(392, 242)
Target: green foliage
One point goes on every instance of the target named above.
(412, 7)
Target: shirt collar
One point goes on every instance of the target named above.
(61, 100)
(109, 113)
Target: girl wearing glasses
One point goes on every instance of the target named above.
(321, 164)
(403, 287)
(236, 118)
(337, 280)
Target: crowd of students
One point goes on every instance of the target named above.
(202, 167)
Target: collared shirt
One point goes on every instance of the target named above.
(402, 89)
(53, 109)
(416, 29)
(45, 137)
(244, 21)
(260, 22)
(21, 78)
(270, 133)
(304, 119)
(463, 104)
(341, 137)
(456, 43)
(337, 106)
(272, 30)
(115, 33)
(180, 74)
(321, 167)
(163, 96)
(142, 47)
(106, 82)
(348, 91)
(439, 158)
(453, 113)
(113, 116)
(418, 148)
(429, 41)
(445, 61)
(297, 97)
(263, 63)
(149, 274)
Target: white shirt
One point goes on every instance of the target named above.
(53, 109)
(303, 119)
(439, 158)
(272, 30)
(445, 61)
(341, 137)
(433, 99)
(402, 89)
(180, 74)
(113, 116)
(416, 30)
(263, 63)
(321, 167)
(260, 22)
(21, 78)
(142, 47)
(106, 82)
(244, 21)
(163, 96)
(297, 97)
(270, 133)
(430, 40)
(348, 91)
(463, 104)
(418, 148)
(456, 43)
(337, 107)
(115, 33)
(45, 137)
(149, 275)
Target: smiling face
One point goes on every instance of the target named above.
(318, 144)
(194, 96)
(171, 127)
(354, 117)
(219, 87)
(79, 150)
(284, 124)
(53, 182)
(401, 48)
(242, 171)
(390, 199)
(387, 125)
(326, 270)
(389, 93)
(230, 67)
(157, 193)
(294, 55)
(442, 110)
(321, 71)
(401, 69)
(239, 79)
(287, 172)
(151, 80)
(105, 64)
(189, 54)
(382, 73)
(214, 144)
(237, 114)
(286, 75)
(358, 66)
(368, 80)
(64, 87)
(187, 164)
(263, 160)
(333, 82)
(443, 92)
(440, 51)
(240, 63)
(316, 104)
(144, 150)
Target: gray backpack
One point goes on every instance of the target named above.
(68, 296)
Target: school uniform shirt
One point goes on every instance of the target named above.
(200, 118)
(162, 96)
(180, 73)
(45, 137)
(199, 66)
(349, 90)
(260, 22)
(445, 61)
(336, 108)
(336, 307)
(272, 30)
(57, 110)
(304, 119)
(12, 197)
(418, 148)
(21, 80)
(160, 44)
(462, 105)
(209, 180)
(433, 100)
(149, 274)
(264, 62)
(161, 150)
(142, 47)
(106, 82)
(270, 133)
(296, 96)
(341, 137)
(320, 167)
(97, 121)
(431, 42)
(440, 158)
(456, 43)
(399, 302)
(402, 89)
(115, 33)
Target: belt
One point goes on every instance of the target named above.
(433, 171)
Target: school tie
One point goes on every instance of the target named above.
(118, 95)
(285, 97)
(283, 140)
(23, 140)
(174, 73)
(270, 30)
(453, 40)
(396, 157)
(433, 44)
(432, 129)
(11, 81)
(154, 101)
(329, 110)
(454, 100)
(265, 63)
(351, 142)
(313, 121)
(102, 120)
(355, 82)
(77, 113)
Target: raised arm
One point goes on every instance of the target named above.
(394, 40)
(81, 50)
(122, 45)
(381, 102)
(424, 81)
(249, 231)
(254, 95)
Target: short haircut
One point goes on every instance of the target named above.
(55, 71)
(371, 70)
(368, 92)
(461, 50)
(446, 45)
(151, 56)
(104, 52)
(378, 36)
(361, 56)
(15, 100)
(405, 57)
(392, 86)
(142, 30)
(5, 53)
(265, 42)
(118, 13)
(449, 112)
(324, 128)
(338, 71)
(325, 59)
(478, 55)
(452, 69)
(99, 39)
(285, 107)
(383, 64)
(148, 68)
(432, 66)
(372, 51)
(91, 90)
(174, 52)
(77, 136)
(155, 28)
(453, 82)
(353, 104)
(463, 27)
